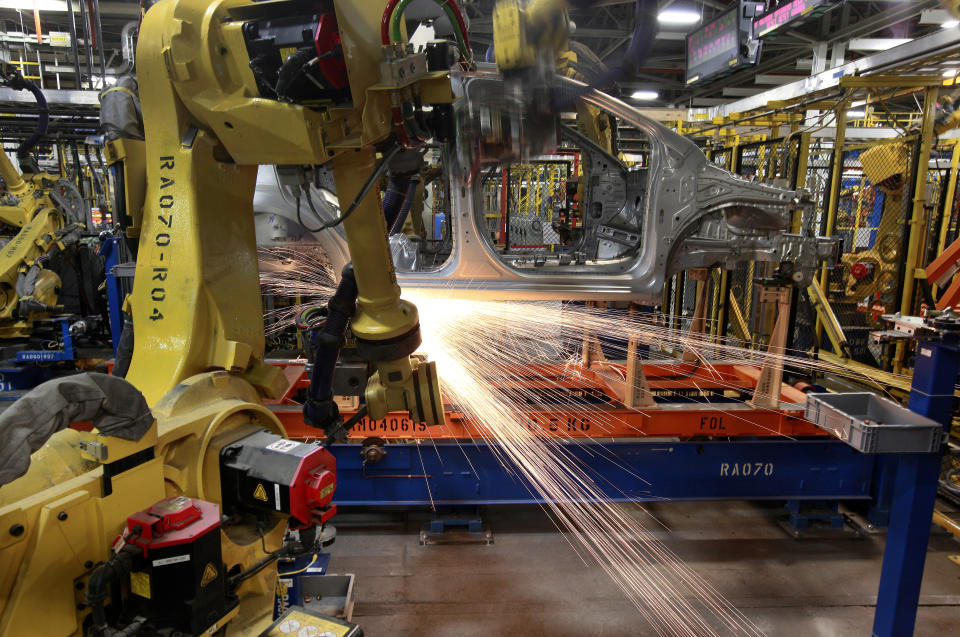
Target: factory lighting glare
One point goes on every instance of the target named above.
(855, 114)
(678, 16)
(949, 24)
(950, 73)
(645, 96)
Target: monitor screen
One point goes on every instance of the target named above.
(713, 48)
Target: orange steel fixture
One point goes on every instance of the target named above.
(595, 408)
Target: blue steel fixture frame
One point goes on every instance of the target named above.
(915, 490)
(65, 353)
(471, 473)
(28, 367)
(110, 251)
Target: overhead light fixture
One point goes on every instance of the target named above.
(678, 16)
(856, 114)
(950, 73)
(645, 96)
(949, 24)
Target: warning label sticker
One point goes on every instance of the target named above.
(209, 574)
(259, 493)
(140, 584)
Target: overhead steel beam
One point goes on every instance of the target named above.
(940, 43)
(883, 20)
(125, 9)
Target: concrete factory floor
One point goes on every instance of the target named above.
(530, 583)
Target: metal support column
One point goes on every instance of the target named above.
(836, 176)
(918, 216)
(948, 204)
(800, 178)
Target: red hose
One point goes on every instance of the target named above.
(400, 128)
(385, 21)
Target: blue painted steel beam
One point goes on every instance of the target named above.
(915, 491)
(472, 473)
(935, 370)
(110, 250)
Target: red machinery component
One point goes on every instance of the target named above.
(267, 472)
(178, 579)
(171, 522)
(861, 270)
(326, 40)
(603, 387)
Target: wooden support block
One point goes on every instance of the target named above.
(767, 393)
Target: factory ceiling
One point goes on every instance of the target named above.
(605, 27)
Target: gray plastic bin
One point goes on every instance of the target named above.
(872, 424)
(328, 594)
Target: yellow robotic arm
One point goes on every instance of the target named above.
(523, 34)
(28, 205)
(208, 124)
(224, 86)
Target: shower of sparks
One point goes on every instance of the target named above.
(487, 354)
(300, 272)
(475, 342)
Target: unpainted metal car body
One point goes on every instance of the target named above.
(640, 225)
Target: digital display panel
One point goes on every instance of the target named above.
(783, 15)
(713, 48)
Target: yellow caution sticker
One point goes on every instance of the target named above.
(209, 574)
(140, 584)
(299, 623)
(260, 493)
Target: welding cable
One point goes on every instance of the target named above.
(319, 409)
(395, 198)
(392, 19)
(23, 151)
(16, 81)
(345, 428)
(246, 574)
(365, 190)
(110, 572)
(301, 570)
(411, 123)
(306, 319)
(405, 208)
(306, 193)
(401, 129)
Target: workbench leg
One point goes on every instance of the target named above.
(915, 489)
(884, 473)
